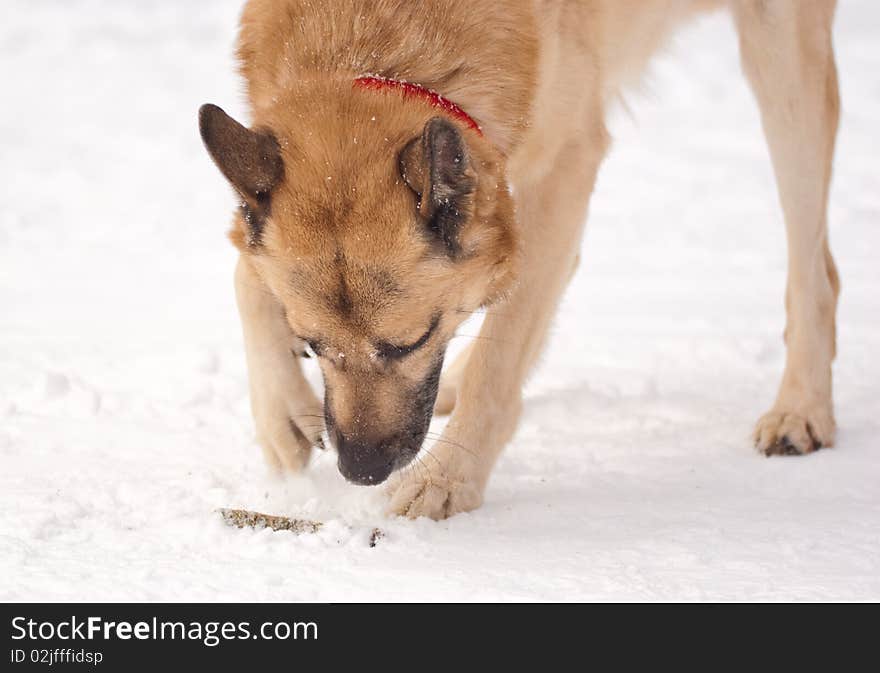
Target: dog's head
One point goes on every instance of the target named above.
(377, 239)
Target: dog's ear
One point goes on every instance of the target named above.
(437, 168)
(250, 160)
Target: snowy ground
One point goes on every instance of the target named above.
(123, 412)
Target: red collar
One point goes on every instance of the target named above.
(412, 90)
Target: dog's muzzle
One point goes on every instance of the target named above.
(371, 462)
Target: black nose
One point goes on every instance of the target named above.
(363, 462)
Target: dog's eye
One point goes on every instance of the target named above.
(391, 351)
(311, 349)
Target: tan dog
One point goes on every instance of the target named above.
(379, 212)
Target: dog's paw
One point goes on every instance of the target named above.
(792, 433)
(287, 439)
(434, 495)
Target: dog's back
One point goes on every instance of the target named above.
(459, 47)
(495, 58)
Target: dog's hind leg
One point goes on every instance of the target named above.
(788, 58)
(450, 382)
(552, 212)
(288, 416)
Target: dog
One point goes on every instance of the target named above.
(411, 163)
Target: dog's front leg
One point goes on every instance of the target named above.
(288, 416)
(452, 475)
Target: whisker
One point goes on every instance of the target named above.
(480, 336)
(481, 311)
(436, 460)
(427, 472)
(433, 437)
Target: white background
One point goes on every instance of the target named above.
(124, 418)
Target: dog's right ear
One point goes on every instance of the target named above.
(250, 159)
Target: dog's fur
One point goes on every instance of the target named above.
(372, 224)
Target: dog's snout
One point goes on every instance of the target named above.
(366, 462)
(377, 425)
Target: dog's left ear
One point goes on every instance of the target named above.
(437, 168)
(250, 159)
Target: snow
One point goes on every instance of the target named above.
(124, 420)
